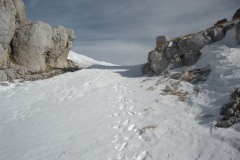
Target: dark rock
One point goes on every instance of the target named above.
(236, 15)
(222, 21)
(238, 32)
(231, 111)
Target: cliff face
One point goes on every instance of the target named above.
(29, 49)
(185, 51)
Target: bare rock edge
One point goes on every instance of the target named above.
(31, 50)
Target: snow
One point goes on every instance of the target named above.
(84, 60)
(106, 112)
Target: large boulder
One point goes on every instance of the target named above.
(31, 44)
(62, 43)
(236, 15)
(159, 62)
(38, 46)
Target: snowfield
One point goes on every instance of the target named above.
(109, 112)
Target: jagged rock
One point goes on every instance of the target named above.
(216, 33)
(238, 32)
(38, 46)
(160, 40)
(231, 111)
(183, 51)
(222, 21)
(31, 48)
(236, 15)
(158, 62)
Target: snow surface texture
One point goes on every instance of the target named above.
(107, 112)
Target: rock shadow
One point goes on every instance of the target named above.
(133, 71)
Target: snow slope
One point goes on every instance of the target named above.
(85, 61)
(108, 112)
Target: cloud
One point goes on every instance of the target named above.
(128, 26)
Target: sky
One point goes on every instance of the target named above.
(124, 31)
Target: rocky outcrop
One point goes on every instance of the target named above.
(183, 51)
(231, 111)
(222, 21)
(160, 40)
(28, 48)
(238, 32)
(39, 46)
(236, 15)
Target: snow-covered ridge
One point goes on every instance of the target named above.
(85, 61)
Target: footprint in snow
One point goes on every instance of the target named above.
(132, 108)
(143, 156)
(131, 127)
(121, 147)
(126, 122)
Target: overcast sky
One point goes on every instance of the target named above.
(124, 31)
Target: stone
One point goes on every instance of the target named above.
(216, 33)
(238, 32)
(21, 18)
(61, 45)
(3, 76)
(160, 40)
(158, 62)
(7, 29)
(231, 111)
(222, 21)
(236, 15)
(31, 44)
(10, 73)
(38, 46)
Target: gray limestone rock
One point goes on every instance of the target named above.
(216, 33)
(61, 45)
(3, 76)
(31, 44)
(160, 40)
(158, 62)
(183, 51)
(38, 46)
(30, 48)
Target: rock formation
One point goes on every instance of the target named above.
(231, 111)
(183, 51)
(30, 48)
(238, 32)
(160, 40)
(236, 15)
